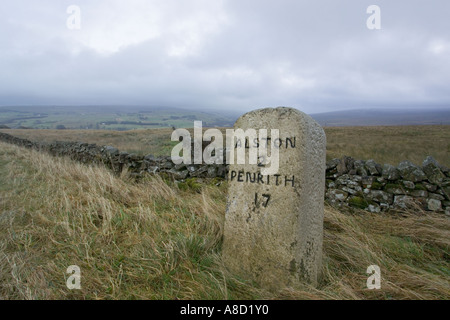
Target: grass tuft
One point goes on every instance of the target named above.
(153, 240)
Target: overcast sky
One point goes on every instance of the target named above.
(316, 56)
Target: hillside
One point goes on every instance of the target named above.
(384, 144)
(152, 240)
(146, 117)
(383, 117)
(110, 117)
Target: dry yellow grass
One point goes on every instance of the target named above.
(148, 141)
(390, 144)
(154, 241)
(384, 144)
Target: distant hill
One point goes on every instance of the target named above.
(111, 117)
(146, 117)
(383, 117)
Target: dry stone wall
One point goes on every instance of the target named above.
(118, 161)
(375, 187)
(362, 184)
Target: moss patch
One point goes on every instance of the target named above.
(190, 184)
(392, 186)
(358, 202)
(420, 187)
(376, 186)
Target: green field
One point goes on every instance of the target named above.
(108, 118)
(384, 144)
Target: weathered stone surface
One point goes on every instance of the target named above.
(367, 181)
(179, 167)
(212, 172)
(374, 208)
(330, 184)
(436, 196)
(336, 194)
(111, 150)
(192, 168)
(222, 171)
(445, 191)
(411, 172)
(200, 172)
(359, 167)
(381, 196)
(403, 202)
(434, 205)
(331, 168)
(273, 228)
(381, 180)
(342, 166)
(352, 191)
(390, 172)
(394, 189)
(178, 175)
(421, 203)
(166, 164)
(150, 158)
(343, 180)
(373, 168)
(153, 169)
(353, 182)
(418, 193)
(430, 187)
(432, 170)
(408, 184)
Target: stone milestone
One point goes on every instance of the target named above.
(274, 222)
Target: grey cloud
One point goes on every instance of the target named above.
(317, 56)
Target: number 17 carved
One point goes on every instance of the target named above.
(265, 200)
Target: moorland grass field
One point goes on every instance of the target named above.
(153, 240)
(384, 144)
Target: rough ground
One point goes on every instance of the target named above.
(153, 240)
